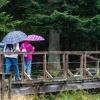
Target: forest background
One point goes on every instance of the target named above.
(65, 24)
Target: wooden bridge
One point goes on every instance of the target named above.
(57, 71)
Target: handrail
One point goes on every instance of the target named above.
(83, 55)
(56, 52)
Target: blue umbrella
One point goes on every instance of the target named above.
(14, 37)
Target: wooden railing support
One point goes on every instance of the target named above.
(67, 63)
(81, 65)
(64, 66)
(2, 77)
(8, 76)
(84, 65)
(22, 67)
(4, 84)
(84, 56)
(44, 66)
(97, 68)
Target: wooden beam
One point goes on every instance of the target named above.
(84, 65)
(67, 64)
(97, 69)
(27, 76)
(70, 73)
(2, 64)
(44, 67)
(2, 77)
(93, 58)
(81, 65)
(22, 68)
(88, 72)
(48, 74)
(64, 66)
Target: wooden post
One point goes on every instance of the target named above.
(84, 66)
(3, 83)
(64, 66)
(2, 77)
(1, 63)
(9, 87)
(81, 66)
(44, 66)
(67, 63)
(97, 68)
(22, 67)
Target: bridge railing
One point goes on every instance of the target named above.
(61, 64)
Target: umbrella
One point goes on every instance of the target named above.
(14, 37)
(34, 38)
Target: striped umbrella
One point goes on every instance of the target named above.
(14, 37)
(34, 38)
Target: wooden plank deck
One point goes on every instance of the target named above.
(37, 86)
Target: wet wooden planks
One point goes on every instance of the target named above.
(54, 86)
(5, 81)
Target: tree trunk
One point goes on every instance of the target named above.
(54, 45)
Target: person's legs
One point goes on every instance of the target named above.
(25, 64)
(28, 70)
(8, 64)
(15, 63)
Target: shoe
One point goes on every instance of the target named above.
(18, 79)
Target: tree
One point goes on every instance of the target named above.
(7, 23)
(3, 3)
(78, 20)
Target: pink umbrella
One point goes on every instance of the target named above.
(34, 38)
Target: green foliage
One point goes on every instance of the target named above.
(7, 23)
(70, 95)
(85, 8)
(3, 3)
(55, 20)
(79, 20)
(98, 4)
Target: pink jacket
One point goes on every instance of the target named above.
(29, 48)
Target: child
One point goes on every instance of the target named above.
(12, 59)
(27, 47)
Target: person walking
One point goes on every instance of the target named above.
(12, 59)
(27, 47)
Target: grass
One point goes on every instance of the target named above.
(79, 95)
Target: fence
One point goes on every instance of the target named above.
(61, 64)
(55, 65)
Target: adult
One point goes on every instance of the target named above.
(27, 47)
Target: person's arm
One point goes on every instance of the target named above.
(17, 47)
(4, 50)
(32, 49)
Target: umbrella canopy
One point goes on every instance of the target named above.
(14, 37)
(34, 38)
